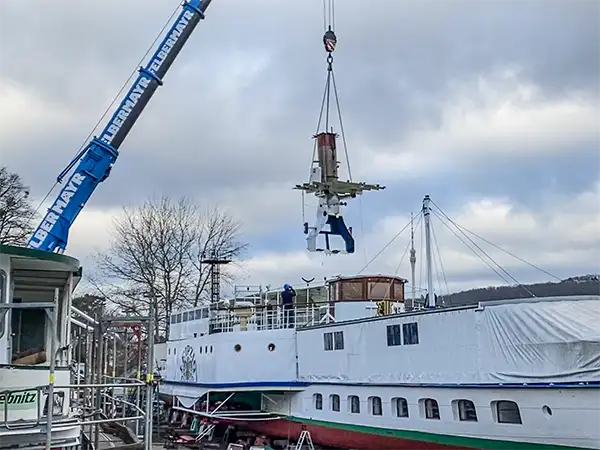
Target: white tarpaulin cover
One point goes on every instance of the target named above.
(541, 341)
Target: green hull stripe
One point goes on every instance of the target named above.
(443, 439)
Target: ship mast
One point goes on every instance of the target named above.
(427, 217)
(413, 261)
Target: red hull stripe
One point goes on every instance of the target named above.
(360, 437)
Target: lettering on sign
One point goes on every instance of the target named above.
(63, 200)
(143, 81)
(18, 400)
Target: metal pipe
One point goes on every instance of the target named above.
(125, 357)
(116, 419)
(84, 315)
(128, 403)
(149, 378)
(99, 365)
(80, 324)
(53, 354)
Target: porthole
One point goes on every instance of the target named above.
(547, 410)
(237, 347)
(271, 347)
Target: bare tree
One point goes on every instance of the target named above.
(16, 212)
(156, 253)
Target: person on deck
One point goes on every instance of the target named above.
(287, 300)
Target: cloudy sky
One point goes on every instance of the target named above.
(489, 106)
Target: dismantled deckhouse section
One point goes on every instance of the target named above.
(324, 182)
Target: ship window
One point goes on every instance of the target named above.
(200, 349)
(410, 333)
(354, 403)
(29, 331)
(198, 314)
(338, 340)
(352, 290)
(334, 402)
(432, 410)
(393, 335)
(178, 318)
(185, 317)
(204, 313)
(466, 411)
(328, 341)
(318, 399)
(400, 407)
(173, 318)
(379, 290)
(507, 412)
(375, 403)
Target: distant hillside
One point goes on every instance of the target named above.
(581, 285)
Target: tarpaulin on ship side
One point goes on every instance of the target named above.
(541, 341)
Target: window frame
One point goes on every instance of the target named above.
(394, 335)
(332, 402)
(431, 409)
(318, 401)
(410, 333)
(354, 400)
(396, 402)
(463, 405)
(498, 413)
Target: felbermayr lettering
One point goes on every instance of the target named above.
(160, 56)
(56, 210)
(132, 99)
(125, 109)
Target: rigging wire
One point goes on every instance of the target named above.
(390, 242)
(329, 26)
(343, 134)
(483, 252)
(439, 255)
(507, 252)
(82, 148)
(467, 245)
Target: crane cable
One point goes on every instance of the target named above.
(329, 41)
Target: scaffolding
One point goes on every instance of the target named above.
(111, 396)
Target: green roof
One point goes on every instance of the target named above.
(39, 255)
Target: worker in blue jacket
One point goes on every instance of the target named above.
(287, 300)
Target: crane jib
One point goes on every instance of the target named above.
(56, 210)
(95, 161)
(144, 80)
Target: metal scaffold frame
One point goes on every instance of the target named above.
(99, 401)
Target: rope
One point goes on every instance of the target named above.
(81, 150)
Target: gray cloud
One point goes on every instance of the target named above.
(240, 104)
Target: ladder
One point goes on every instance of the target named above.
(304, 437)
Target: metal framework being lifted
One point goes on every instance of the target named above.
(324, 182)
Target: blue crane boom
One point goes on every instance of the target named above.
(96, 159)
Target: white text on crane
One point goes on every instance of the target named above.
(56, 210)
(144, 81)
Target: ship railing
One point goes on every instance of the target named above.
(262, 318)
